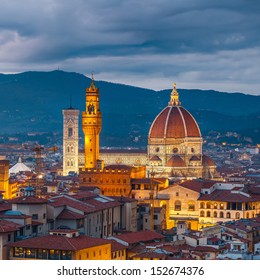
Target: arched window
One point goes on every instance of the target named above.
(221, 206)
(202, 214)
(208, 213)
(215, 214)
(247, 215)
(221, 214)
(202, 205)
(228, 215)
(208, 205)
(191, 206)
(68, 163)
(237, 215)
(68, 149)
(215, 205)
(177, 205)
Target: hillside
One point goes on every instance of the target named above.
(33, 101)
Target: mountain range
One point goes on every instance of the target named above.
(33, 102)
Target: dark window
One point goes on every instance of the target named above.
(70, 132)
(177, 206)
(35, 216)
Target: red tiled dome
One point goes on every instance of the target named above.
(206, 160)
(174, 122)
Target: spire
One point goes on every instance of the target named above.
(92, 85)
(174, 101)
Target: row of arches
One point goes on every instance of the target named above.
(226, 215)
(209, 205)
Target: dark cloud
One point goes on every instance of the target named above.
(149, 43)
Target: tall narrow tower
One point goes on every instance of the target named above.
(70, 140)
(91, 126)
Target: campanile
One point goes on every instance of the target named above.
(91, 126)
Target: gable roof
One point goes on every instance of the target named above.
(57, 242)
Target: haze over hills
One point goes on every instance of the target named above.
(33, 101)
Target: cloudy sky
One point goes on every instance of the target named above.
(149, 43)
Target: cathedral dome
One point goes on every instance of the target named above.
(174, 121)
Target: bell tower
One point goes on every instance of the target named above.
(91, 126)
(70, 140)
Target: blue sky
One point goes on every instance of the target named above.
(195, 43)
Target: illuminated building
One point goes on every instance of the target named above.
(4, 179)
(175, 144)
(70, 140)
(61, 245)
(91, 125)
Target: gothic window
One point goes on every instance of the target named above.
(68, 163)
(71, 163)
(72, 149)
(68, 149)
(70, 132)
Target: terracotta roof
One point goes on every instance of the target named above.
(150, 255)
(197, 185)
(194, 158)
(66, 201)
(206, 160)
(69, 215)
(155, 158)
(175, 161)
(116, 246)
(29, 200)
(228, 196)
(205, 249)
(7, 226)
(84, 195)
(140, 236)
(57, 242)
(174, 122)
(5, 205)
(36, 223)
(89, 206)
